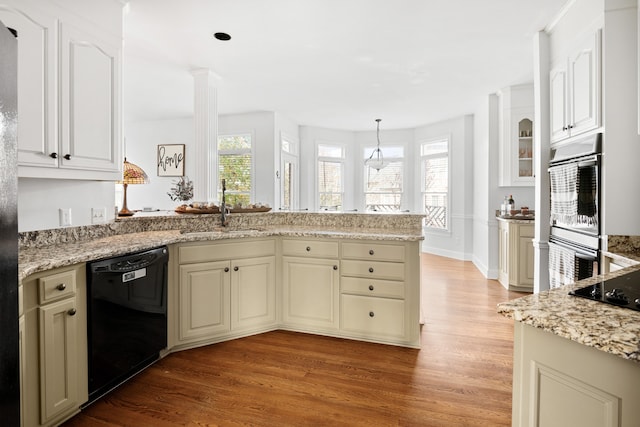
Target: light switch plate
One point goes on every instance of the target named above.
(65, 217)
(98, 215)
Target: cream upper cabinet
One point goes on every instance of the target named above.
(575, 90)
(68, 88)
(515, 136)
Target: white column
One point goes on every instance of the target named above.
(206, 135)
(542, 146)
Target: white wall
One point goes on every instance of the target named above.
(40, 199)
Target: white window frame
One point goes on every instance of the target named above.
(421, 170)
(219, 153)
(291, 156)
(343, 164)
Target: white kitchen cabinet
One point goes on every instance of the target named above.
(310, 285)
(69, 88)
(515, 136)
(516, 254)
(55, 375)
(224, 290)
(555, 383)
(575, 90)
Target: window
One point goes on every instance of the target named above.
(383, 188)
(235, 162)
(434, 158)
(330, 176)
(288, 173)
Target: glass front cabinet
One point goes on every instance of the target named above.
(516, 146)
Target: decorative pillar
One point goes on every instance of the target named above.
(206, 135)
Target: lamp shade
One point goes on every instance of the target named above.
(133, 174)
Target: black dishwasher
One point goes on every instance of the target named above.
(127, 316)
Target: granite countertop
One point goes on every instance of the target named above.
(59, 254)
(602, 326)
(518, 219)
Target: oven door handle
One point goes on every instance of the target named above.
(586, 257)
(582, 162)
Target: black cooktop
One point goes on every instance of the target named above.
(622, 291)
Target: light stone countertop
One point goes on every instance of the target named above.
(48, 249)
(602, 326)
(517, 219)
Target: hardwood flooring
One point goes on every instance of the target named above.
(460, 377)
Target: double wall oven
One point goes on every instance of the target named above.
(574, 242)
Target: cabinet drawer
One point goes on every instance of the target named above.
(310, 248)
(56, 286)
(373, 316)
(373, 269)
(373, 251)
(372, 287)
(223, 251)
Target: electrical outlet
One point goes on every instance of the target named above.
(98, 215)
(65, 217)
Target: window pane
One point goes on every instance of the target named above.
(286, 146)
(330, 151)
(436, 176)
(329, 177)
(383, 192)
(236, 170)
(389, 152)
(288, 176)
(234, 142)
(435, 187)
(437, 147)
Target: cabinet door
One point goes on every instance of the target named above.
(36, 84)
(310, 293)
(58, 358)
(204, 300)
(525, 261)
(89, 89)
(253, 292)
(559, 115)
(503, 253)
(584, 68)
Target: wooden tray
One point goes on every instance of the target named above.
(197, 211)
(249, 210)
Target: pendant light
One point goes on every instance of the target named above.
(376, 159)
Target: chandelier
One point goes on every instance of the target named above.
(376, 159)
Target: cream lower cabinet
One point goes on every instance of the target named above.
(310, 285)
(54, 346)
(516, 255)
(223, 290)
(561, 383)
(376, 302)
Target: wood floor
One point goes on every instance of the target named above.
(460, 377)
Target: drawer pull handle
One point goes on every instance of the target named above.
(371, 252)
(226, 269)
(370, 269)
(61, 287)
(53, 155)
(371, 314)
(335, 267)
(67, 156)
(236, 268)
(71, 312)
(308, 248)
(370, 287)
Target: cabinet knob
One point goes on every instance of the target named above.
(226, 269)
(571, 126)
(236, 268)
(370, 287)
(308, 248)
(71, 312)
(61, 287)
(335, 267)
(371, 314)
(53, 155)
(67, 156)
(370, 269)
(371, 252)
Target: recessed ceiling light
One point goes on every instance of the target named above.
(222, 36)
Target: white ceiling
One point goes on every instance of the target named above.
(331, 63)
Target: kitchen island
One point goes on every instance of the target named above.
(348, 275)
(576, 361)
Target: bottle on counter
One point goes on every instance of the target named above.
(511, 205)
(503, 206)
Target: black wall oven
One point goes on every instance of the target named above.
(127, 316)
(574, 242)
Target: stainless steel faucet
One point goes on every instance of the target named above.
(223, 206)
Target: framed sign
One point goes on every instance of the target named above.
(171, 160)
